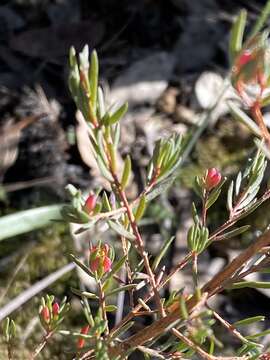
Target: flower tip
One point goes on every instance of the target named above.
(212, 178)
(90, 203)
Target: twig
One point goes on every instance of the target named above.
(41, 346)
(212, 287)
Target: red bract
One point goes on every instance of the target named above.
(244, 58)
(45, 313)
(107, 264)
(81, 341)
(90, 203)
(99, 260)
(212, 178)
(55, 309)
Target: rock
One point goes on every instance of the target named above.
(208, 88)
(144, 81)
(168, 100)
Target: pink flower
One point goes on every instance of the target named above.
(212, 178)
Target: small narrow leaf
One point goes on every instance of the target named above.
(81, 265)
(143, 304)
(183, 308)
(110, 308)
(122, 329)
(119, 113)
(121, 230)
(103, 169)
(121, 288)
(126, 172)
(162, 187)
(251, 284)
(234, 232)
(140, 209)
(261, 19)
(112, 152)
(230, 197)
(162, 252)
(86, 294)
(237, 32)
(249, 321)
(212, 199)
(93, 79)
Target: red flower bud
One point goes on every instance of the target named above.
(99, 259)
(212, 178)
(81, 341)
(94, 264)
(45, 314)
(55, 309)
(244, 58)
(107, 264)
(90, 203)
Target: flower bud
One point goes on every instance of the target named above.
(90, 203)
(55, 310)
(45, 314)
(81, 341)
(99, 260)
(212, 178)
(250, 72)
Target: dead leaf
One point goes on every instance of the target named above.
(9, 139)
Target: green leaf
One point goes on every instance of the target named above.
(251, 284)
(160, 188)
(24, 221)
(249, 321)
(183, 308)
(140, 209)
(110, 308)
(86, 294)
(103, 169)
(162, 252)
(237, 33)
(114, 270)
(121, 230)
(126, 172)
(122, 329)
(121, 288)
(101, 103)
(261, 20)
(214, 195)
(241, 116)
(260, 334)
(81, 265)
(112, 152)
(117, 115)
(106, 206)
(93, 79)
(234, 232)
(88, 226)
(212, 199)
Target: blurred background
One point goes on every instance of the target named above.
(168, 59)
